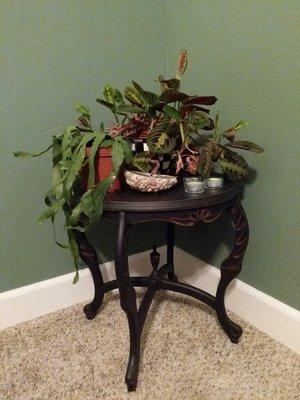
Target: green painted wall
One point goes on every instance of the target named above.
(56, 53)
(247, 54)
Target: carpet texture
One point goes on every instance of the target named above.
(185, 356)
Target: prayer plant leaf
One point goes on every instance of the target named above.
(105, 103)
(235, 168)
(149, 98)
(245, 145)
(230, 134)
(170, 83)
(172, 95)
(204, 164)
(142, 161)
(112, 96)
(134, 96)
(187, 109)
(216, 134)
(127, 108)
(172, 112)
(83, 110)
(160, 142)
(204, 100)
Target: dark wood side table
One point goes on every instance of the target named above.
(175, 207)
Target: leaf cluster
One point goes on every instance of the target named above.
(178, 124)
(69, 156)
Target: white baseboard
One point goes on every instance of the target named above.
(264, 312)
(32, 301)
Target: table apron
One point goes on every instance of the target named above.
(181, 217)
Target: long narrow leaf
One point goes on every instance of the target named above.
(96, 143)
(51, 211)
(117, 156)
(126, 148)
(91, 205)
(76, 163)
(25, 154)
(74, 253)
(245, 145)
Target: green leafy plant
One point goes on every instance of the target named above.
(180, 125)
(171, 122)
(69, 157)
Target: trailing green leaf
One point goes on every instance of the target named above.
(91, 205)
(52, 211)
(126, 149)
(77, 159)
(25, 154)
(117, 156)
(74, 253)
(95, 146)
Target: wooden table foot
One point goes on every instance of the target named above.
(88, 254)
(230, 268)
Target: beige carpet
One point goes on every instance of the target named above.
(186, 356)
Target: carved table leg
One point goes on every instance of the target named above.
(170, 251)
(128, 303)
(230, 268)
(89, 257)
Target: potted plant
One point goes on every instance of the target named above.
(179, 126)
(85, 163)
(177, 134)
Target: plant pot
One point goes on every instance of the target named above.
(103, 168)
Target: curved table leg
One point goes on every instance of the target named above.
(170, 251)
(230, 268)
(128, 303)
(89, 257)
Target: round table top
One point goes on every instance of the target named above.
(170, 200)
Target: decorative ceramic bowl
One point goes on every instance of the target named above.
(145, 182)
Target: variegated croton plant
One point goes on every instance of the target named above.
(180, 125)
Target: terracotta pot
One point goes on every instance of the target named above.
(103, 168)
